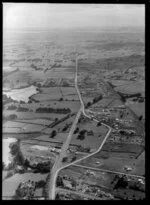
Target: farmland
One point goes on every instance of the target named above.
(41, 102)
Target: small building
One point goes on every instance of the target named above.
(127, 168)
(67, 184)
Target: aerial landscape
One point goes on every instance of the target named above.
(73, 102)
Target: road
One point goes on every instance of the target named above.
(58, 162)
(109, 171)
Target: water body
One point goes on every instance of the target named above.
(21, 94)
(6, 150)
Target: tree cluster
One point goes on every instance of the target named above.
(53, 110)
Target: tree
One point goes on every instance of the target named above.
(65, 159)
(59, 182)
(88, 104)
(12, 117)
(53, 134)
(26, 163)
(76, 130)
(73, 158)
(56, 119)
(81, 137)
(98, 124)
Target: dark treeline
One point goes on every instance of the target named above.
(53, 110)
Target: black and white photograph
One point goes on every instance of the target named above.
(73, 101)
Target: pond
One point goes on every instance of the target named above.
(21, 94)
(6, 150)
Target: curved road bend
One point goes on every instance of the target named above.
(58, 162)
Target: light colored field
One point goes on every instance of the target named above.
(21, 94)
(8, 68)
(36, 150)
(10, 126)
(10, 185)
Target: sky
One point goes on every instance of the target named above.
(32, 15)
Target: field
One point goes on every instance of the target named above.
(56, 93)
(33, 115)
(110, 159)
(138, 109)
(19, 127)
(137, 87)
(39, 69)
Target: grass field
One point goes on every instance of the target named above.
(136, 87)
(92, 141)
(116, 161)
(11, 126)
(10, 185)
(138, 109)
(32, 115)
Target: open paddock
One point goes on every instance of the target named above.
(92, 140)
(134, 87)
(11, 126)
(36, 121)
(116, 162)
(46, 96)
(54, 74)
(60, 137)
(21, 136)
(138, 109)
(33, 115)
(130, 149)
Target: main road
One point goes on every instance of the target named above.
(58, 162)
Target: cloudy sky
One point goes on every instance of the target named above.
(31, 15)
